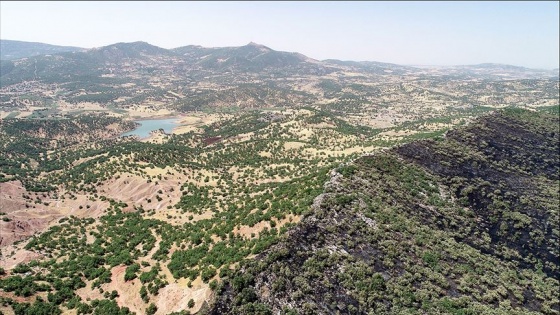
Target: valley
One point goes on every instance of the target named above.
(274, 152)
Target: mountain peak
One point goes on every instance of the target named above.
(262, 47)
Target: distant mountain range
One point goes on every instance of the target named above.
(194, 77)
(141, 56)
(14, 49)
(250, 57)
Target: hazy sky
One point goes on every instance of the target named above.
(421, 33)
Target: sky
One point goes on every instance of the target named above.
(408, 33)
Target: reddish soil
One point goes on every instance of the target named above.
(209, 141)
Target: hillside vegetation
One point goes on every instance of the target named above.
(229, 212)
(461, 224)
(156, 220)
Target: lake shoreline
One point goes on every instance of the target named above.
(145, 127)
(158, 117)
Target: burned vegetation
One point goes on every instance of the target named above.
(466, 223)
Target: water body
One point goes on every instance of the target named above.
(147, 126)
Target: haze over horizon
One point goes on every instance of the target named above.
(408, 33)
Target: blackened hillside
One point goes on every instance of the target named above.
(466, 224)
